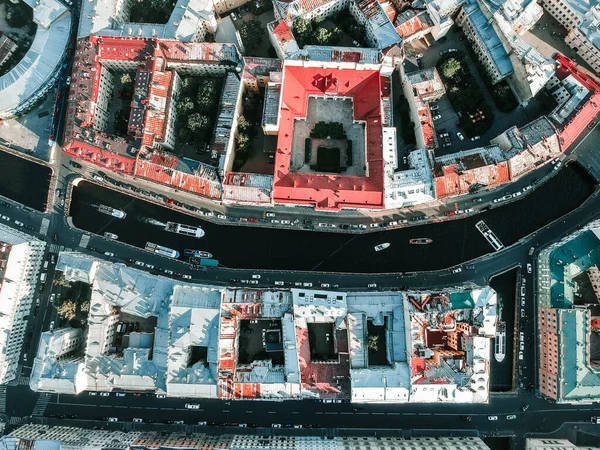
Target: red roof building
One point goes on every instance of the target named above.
(571, 127)
(330, 191)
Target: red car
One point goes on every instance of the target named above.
(449, 213)
(252, 219)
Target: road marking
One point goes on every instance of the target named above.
(409, 414)
(331, 412)
(272, 412)
(120, 406)
(248, 412)
(318, 412)
(378, 414)
(393, 414)
(151, 407)
(295, 412)
(225, 410)
(346, 413)
(363, 414)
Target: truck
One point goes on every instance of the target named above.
(209, 262)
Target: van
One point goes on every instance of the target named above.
(43, 277)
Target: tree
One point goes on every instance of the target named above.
(243, 123)
(185, 105)
(303, 31)
(68, 309)
(60, 280)
(373, 342)
(322, 36)
(252, 34)
(126, 78)
(242, 141)
(450, 67)
(198, 122)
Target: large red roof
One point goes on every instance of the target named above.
(330, 191)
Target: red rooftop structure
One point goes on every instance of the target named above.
(330, 191)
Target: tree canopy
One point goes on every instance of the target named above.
(450, 67)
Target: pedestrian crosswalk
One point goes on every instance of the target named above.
(41, 404)
(55, 248)
(16, 420)
(2, 399)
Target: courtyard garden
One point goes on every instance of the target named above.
(463, 91)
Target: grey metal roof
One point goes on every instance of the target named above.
(489, 38)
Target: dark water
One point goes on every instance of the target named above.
(264, 248)
(502, 373)
(23, 181)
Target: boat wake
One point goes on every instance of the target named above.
(152, 221)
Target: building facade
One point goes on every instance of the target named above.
(21, 258)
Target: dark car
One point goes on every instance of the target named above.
(55, 237)
(470, 267)
(467, 418)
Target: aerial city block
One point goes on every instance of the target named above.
(294, 224)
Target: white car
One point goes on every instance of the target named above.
(522, 336)
(274, 220)
(298, 283)
(332, 225)
(92, 393)
(492, 417)
(372, 285)
(137, 420)
(161, 396)
(393, 223)
(279, 283)
(109, 253)
(517, 194)
(121, 394)
(209, 214)
(520, 356)
(186, 277)
(202, 423)
(168, 272)
(139, 263)
(324, 285)
(253, 281)
(104, 394)
(522, 346)
(113, 419)
(19, 223)
(324, 225)
(457, 270)
(192, 406)
(460, 136)
(256, 276)
(307, 284)
(475, 138)
(529, 268)
(434, 107)
(179, 422)
(222, 216)
(437, 117)
(270, 215)
(362, 226)
(276, 425)
(285, 222)
(51, 325)
(373, 225)
(5, 218)
(149, 266)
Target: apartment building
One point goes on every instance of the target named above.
(21, 258)
(581, 19)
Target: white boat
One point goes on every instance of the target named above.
(187, 230)
(383, 246)
(500, 342)
(421, 241)
(110, 235)
(160, 250)
(112, 211)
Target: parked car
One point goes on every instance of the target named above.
(137, 420)
(460, 136)
(446, 144)
(256, 276)
(511, 417)
(475, 138)
(492, 417)
(186, 277)
(434, 107)
(529, 268)
(113, 419)
(437, 117)
(457, 270)
(192, 406)
(279, 283)
(443, 135)
(372, 285)
(324, 285)
(270, 215)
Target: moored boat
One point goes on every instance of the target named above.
(197, 253)
(160, 250)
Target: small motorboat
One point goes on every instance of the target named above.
(383, 246)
